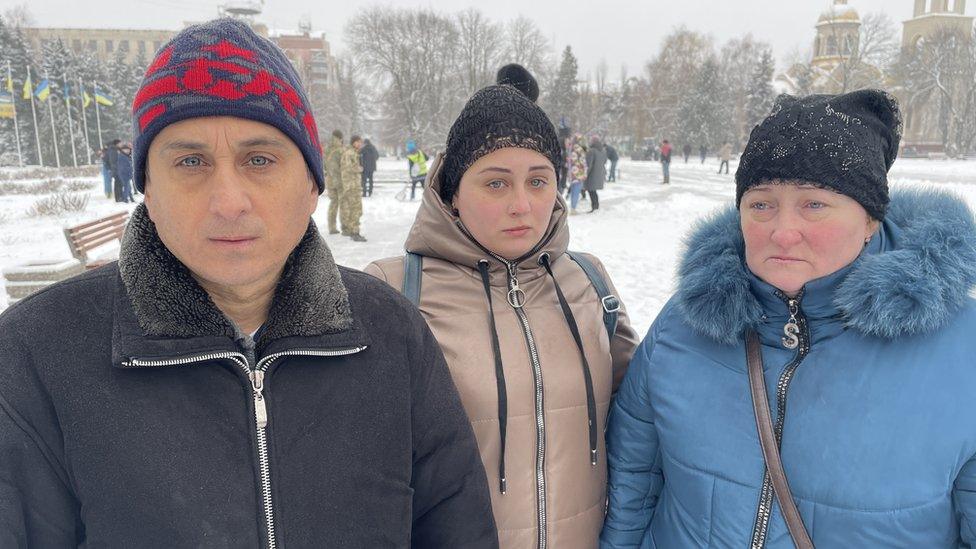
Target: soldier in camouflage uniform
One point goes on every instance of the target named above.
(332, 157)
(351, 197)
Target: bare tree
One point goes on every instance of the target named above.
(19, 16)
(528, 47)
(413, 54)
(938, 78)
(480, 49)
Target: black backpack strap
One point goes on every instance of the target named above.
(610, 303)
(412, 267)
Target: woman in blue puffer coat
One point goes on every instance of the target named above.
(868, 337)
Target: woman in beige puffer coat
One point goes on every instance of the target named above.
(503, 299)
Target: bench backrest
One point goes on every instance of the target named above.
(87, 236)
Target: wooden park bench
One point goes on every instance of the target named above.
(82, 239)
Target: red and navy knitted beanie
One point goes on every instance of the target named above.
(845, 143)
(223, 68)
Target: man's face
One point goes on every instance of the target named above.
(231, 198)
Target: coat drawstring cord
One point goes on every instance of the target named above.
(587, 377)
(499, 376)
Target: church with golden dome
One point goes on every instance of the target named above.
(837, 62)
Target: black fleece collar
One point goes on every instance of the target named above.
(168, 303)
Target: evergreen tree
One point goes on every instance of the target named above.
(703, 120)
(564, 98)
(15, 49)
(761, 94)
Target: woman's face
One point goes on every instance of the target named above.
(795, 232)
(505, 200)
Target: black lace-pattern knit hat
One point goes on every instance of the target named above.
(845, 143)
(496, 117)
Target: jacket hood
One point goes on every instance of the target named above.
(437, 232)
(911, 279)
(310, 298)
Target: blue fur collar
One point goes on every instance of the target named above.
(914, 285)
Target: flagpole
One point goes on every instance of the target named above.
(84, 118)
(71, 125)
(54, 132)
(98, 119)
(13, 103)
(37, 136)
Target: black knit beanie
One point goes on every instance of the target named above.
(845, 143)
(496, 117)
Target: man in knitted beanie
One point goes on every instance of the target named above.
(225, 383)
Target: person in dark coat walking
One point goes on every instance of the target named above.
(703, 153)
(687, 151)
(124, 164)
(613, 157)
(596, 172)
(225, 383)
(112, 156)
(368, 156)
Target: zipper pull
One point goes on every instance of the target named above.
(260, 407)
(516, 297)
(792, 328)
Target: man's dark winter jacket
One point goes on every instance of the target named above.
(128, 415)
(369, 156)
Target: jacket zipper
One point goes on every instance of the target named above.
(796, 336)
(256, 377)
(516, 298)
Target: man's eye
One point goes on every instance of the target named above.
(759, 206)
(259, 160)
(191, 162)
(815, 205)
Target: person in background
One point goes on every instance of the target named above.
(416, 166)
(596, 171)
(368, 156)
(666, 161)
(687, 151)
(332, 158)
(725, 154)
(350, 197)
(112, 153)
(703, 152)
(124, 160)
(577, 171)
(613, 157)
(106, 171)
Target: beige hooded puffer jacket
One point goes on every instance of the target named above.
(554, 494)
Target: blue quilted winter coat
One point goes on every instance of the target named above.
(877, 404)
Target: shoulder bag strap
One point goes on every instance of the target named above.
(770, 450)
(412, 267)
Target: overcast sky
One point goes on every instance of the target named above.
(620, 32)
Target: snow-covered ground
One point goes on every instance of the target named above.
(637, 232)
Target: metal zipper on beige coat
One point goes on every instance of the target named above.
(256, 376)
(516, 298)
(796, 337)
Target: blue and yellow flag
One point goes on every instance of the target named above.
(86, 99)
(43, 90)
(27, 88)
(103, 99)
(6, 105)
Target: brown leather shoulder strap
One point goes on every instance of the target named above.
(770, 450)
